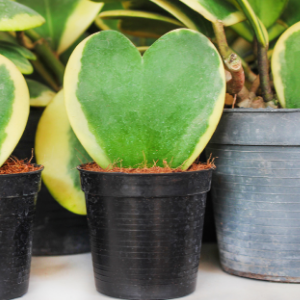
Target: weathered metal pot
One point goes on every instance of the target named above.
(256, 193)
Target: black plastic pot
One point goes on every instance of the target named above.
(18, 193)
(56, 230)
(146, 231)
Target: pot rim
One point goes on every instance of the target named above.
(261, 110)
(25, 173)
(142, 174)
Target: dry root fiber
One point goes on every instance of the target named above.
(15, 166)
(152, 170)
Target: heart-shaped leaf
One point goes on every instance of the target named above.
(66, 20)
(58, 149)
(285, 67)
(17, 17)
(14, 103)
(40, 94)
(162, 106)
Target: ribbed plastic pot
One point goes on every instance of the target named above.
(256, 193)
(18, 193)
(56, 230)
(145, 231)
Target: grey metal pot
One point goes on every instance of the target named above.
(256, 193)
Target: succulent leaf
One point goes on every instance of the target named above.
(40, 94)
(66, 20)
(58, 149)
(156, 107)
(17, 17)
(14, 103)
(285, 67)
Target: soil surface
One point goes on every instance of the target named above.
(15, 166)
(154, 170)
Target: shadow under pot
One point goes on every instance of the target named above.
(18, 193)
(256, 192)
(56, 230)
(145, 231)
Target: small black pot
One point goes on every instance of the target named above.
(146, 231)
(18, 193)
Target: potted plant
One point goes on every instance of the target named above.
(145, 120)
(57, 230)
(19, 180)
(255, 184)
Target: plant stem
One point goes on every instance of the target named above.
(263, 69)
(39, 67)
(47, 55)
(231, 61)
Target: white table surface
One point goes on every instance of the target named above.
(71, 278)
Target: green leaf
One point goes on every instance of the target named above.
(17, 17)
(21, 50)
(66, 20)
(58, 149)
(216, 10)
(285, 67)
(40, 94)
(157, 107)
(268, 11)
(18, 59)
(142, 24)
(257, 26)
(291, 14)
(14, 103)
(190, 18)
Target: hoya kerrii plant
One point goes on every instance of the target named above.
(144, 109)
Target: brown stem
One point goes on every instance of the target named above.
(231, 61)
(263, 69)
